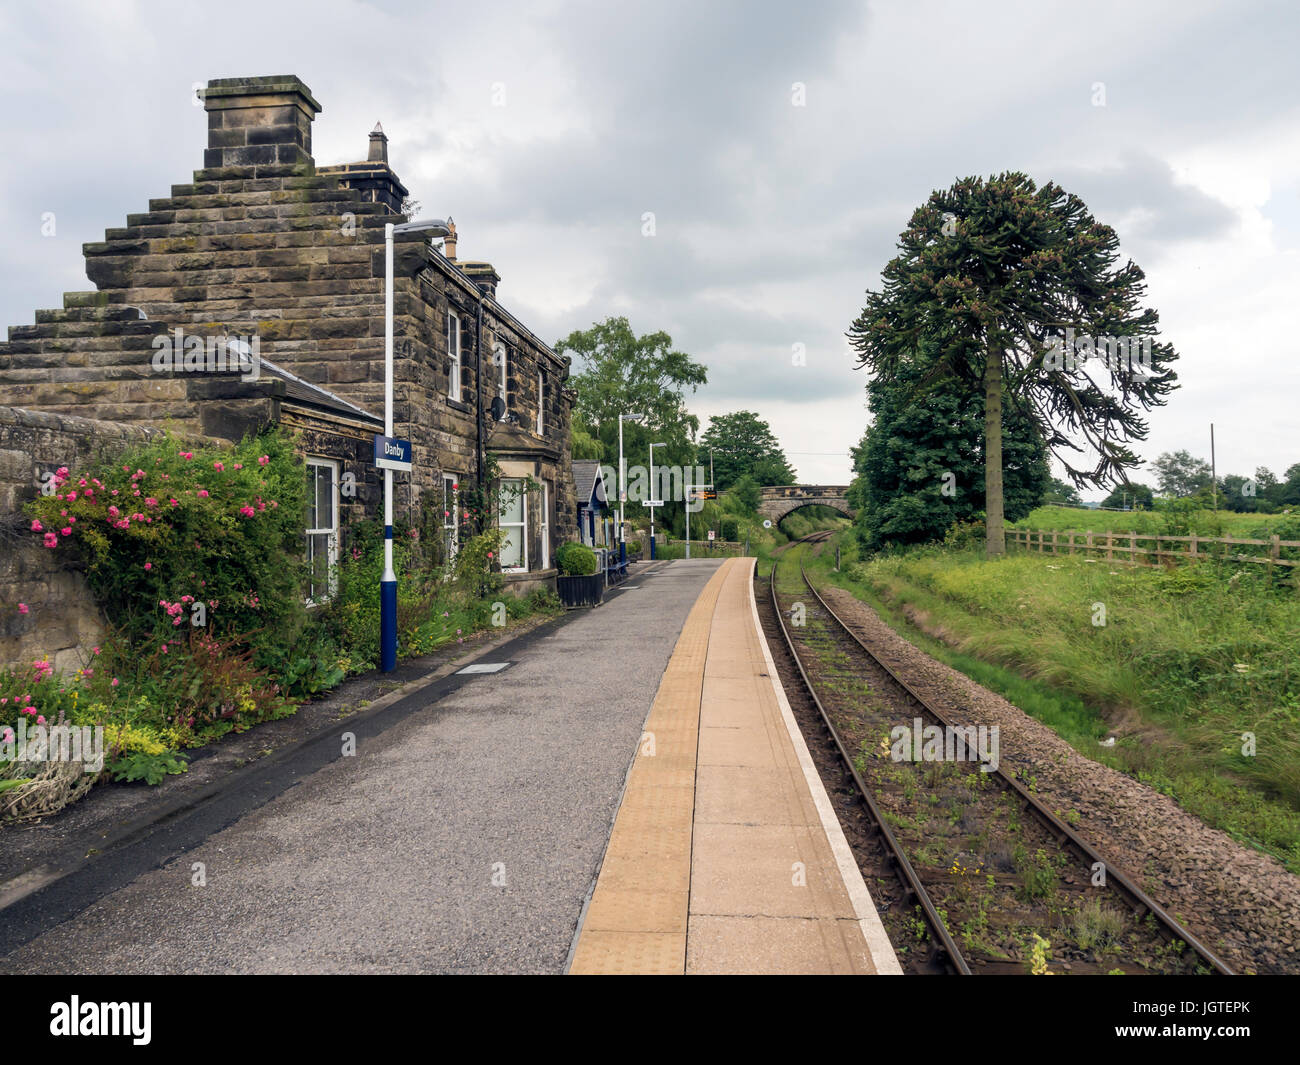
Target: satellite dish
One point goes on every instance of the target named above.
(498, 408)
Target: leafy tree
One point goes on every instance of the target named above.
(1060, 492)
(920, 466)
(747, 493)
(993, 271)
(1133, 496)
(742, 443)
(618, 372)
(1180, 474)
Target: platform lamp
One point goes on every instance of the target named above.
(653, 485)
(622, 484)
(388, 582)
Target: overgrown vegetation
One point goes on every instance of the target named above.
(1196, 669)
(196, 557)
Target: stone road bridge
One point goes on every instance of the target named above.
(780, 500)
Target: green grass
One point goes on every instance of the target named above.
(1149, 522)
(1187, 661)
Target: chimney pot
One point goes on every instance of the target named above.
(378, 145)
(449, 241)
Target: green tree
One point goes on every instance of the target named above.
(1179, 474)
(920, 466)
(1060, 492)
(1130, 496)
(742, 443)
(998, 273)
(618, 372)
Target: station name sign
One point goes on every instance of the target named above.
(393, 454)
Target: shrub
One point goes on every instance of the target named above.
(730, 529)
(576, 560)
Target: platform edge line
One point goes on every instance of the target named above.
(873, 929)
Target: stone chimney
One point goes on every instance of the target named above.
(483, 275)
(449, 241)
(373, 178)
(259, 121)
(378, 146)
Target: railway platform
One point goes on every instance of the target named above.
(726, 855)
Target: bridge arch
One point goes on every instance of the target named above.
(780, 500)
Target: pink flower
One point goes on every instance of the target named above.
(9, 735)
(116, 682)
(489, 554)
(66, 530)
(37, 527)
(94, 650)
(220, 467)
(149, 501)
(72, 496)
(247, 511)
(203, 493)
(113, 512)
(239, 465)
(22, 608)
(148, 565)
(187, 455)
(264, 460)
(40, 719)
(51, 540)
(164, 648)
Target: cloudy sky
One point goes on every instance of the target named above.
(550, 129)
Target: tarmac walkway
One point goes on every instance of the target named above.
(463, 838)
(726, 855)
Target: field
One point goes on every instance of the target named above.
(1192, 668)
(1200, 522)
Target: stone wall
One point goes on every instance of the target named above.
(62, 621)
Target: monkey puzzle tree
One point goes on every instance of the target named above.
(997, 273)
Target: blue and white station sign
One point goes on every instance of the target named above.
(393, 454)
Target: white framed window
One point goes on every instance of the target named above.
(453, 355)
(499, 360)
(322, 529)
(450, 515)
(546, 526)
(541, 403)
(513, 521)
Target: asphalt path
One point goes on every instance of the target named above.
(464, 838)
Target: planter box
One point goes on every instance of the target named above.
(580, 591)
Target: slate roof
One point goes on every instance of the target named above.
(308, 394)
(586, 475)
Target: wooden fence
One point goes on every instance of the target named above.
(1148, 549)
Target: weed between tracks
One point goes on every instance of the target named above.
(1010, 895)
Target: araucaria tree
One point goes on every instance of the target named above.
(1021, 291)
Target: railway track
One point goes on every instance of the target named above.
(973, 874)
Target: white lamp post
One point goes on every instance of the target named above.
(622, 484)
(388, 582)
(652, 497)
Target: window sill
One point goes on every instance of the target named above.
(459, 405)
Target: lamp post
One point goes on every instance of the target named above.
(652, 498)
(622, 484)
(388, 582)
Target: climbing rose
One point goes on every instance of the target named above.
(22, 608)
(264, 460)
(37, 527)
(148, 565)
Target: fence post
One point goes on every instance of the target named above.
(1087, 538)
(1274, 552)
(1110, 547)
(1070, 537)
(1133, 547)
(1191, 547)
